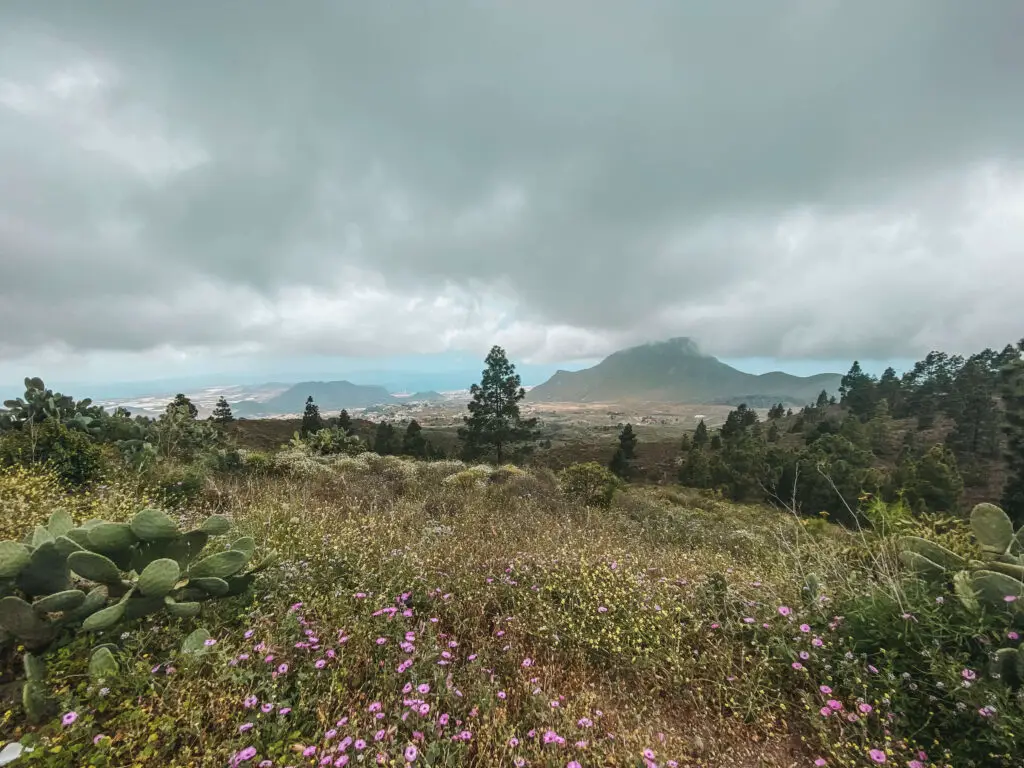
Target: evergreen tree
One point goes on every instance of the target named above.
(972, 404)
(889, 389)
(822, 401)
(312, 421)
(345, 422)
(182, 402)
(695, 469)
(773, 433)
(413, 441)
(1012, 386)
(700, 435)
(621, 463)
(936, 484)
(222, 413)
(777, 411)
(384, 439)
(686, 443)
(857, 392)
(494, 424)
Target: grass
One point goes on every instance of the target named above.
(451, 617)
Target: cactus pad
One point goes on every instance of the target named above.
(245, 544)
(60, 523)
(220, 565)
(921, 565)
(13, 557)
(67, 600)
(35, 701)
(994, 588)
(153, 525)
(102, 664)
(992, 528)
(195, 643)
(46, 572)
(19, 620)
(181, 610)
(216, 525)
(934, 552)
(159, 577)
(94, 567)
(211, 585)
(104, 619)
(111, 537)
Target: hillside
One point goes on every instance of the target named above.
(429, 396)
(328, 395)
(677, 371)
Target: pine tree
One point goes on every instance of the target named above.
(822, 401)
(773, 433)
(494, 424)
(777, 411)
(384, 439)
(700, 435)
(889, 388)
(413, 441)
(222, 413)
(1012, 386)
(857, 392)
(182, 402)
(312, 422)
(973, 407)
(621, 463)
(345, 422)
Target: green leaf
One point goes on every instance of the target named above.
(216, 525)
(103, 665)
(94, 567)
(104, 619)
(154, 525)
(60, 523)
(220, 565)
(60, 601)
(159, 577)
(13, 557)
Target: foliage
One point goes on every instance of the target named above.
(413, 442)
(222, 412)
(182, 404)
(312, 421)
(385, 442)
(75, 458)
(1012, 384)
(621, 463)
(589, 484)
(345, 422)
(333, 441)
(494, 425)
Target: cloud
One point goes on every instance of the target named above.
(801, 179)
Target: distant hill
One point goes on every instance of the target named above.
(429, 396)
(328, 395)
(675, 371)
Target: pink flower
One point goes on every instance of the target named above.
(1010, 599)
(410, 753)
(797, 665)
(805, 627)
(836, 705)
(968, 674)
(69, 718)
(877, 755)
(785, 610)
(1013, 635)
(825, 689)
(648, 754)
(282, 669)
(423, 688)
(320, 664)
(820, 762)
(502, 695)
(825, 711)
(865, 709)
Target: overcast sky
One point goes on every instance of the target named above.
(201, 185)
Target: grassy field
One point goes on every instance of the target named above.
(434, 614)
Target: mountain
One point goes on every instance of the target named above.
(675, 371)
(328, 395)
(429, 396)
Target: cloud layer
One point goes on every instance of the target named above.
(799, 179)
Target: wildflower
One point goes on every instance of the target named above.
(209, 641)
(282, 668)
(69, 718)
(341, 761)
(423, 688)
(748, 620)
(785, 610)
(987, 711)
(374, 706)
(648, 754)
(513, 742)
(309, 751)
(98, 738)
(805, 655)
(246, 754)
(443, 719)
(602, 609)
(248, 633)
(267, 707)
(825, 689)
(284, 710)
(805, 627)
(244, 727)
(519, 762)
(1010, 598)
(502, 695)
(836, 705)
(381, 640)
(872, 668)
(877, 755)
(797, 665)
(825, 711)
(820, 762)
(573, 764)
(817, 642)
(410, 753)
(865, 709)
(379, 735)
(527, 662)
(320, 664)
(968, 674)
(360, 745)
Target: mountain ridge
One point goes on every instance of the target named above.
(675, 370)
(328, 395)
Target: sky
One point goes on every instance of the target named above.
(242, 188)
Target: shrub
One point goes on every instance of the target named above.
(178, 486)
(589, 484)
(75, 459)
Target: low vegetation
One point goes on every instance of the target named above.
(449, 613)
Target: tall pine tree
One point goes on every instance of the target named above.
(182, 403)
(222, 413)
(345, 422)
(494, 425)
(413, 441)
(312, 421)
(700, 435)
(857, 392)
(1012, 385)
(622, 460)
(384, 439)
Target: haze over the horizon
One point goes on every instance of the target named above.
(189, 189)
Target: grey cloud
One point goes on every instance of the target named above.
(654, 147)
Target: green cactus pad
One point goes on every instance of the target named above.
(13, 557)
(965, 592)
(40, 536)
(216, 525)
(1014, 571)
(992, 528)
(65, 545)
(94, 567)
(993, 587)
(80, 536)
(159, 577)
(195, 643)
(934, 552)
(237, 585)
(181, 610)
(47, 572)
(245, 544)
(154, 525)
(194, 544)
(35, 667)
(103, 665)
(60, 523)
(922, 566)
(220, 565)
(269, 560)
(211, 585)
(1006, 665)
(67, 600)
(139, 606)
(94, 601)
(111, 537)
(104, 619)
(19, 620)
(35, 701)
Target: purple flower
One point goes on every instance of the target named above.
(360, 744)
(785, 610)
(320, 663)
(423, 688)
(513, 742)
(282, 668)
(267, 707)
(244, 727)
(877, 755)
(246, 754)
(284, 710)
(410, 753)
(209, 641)
(69, 718)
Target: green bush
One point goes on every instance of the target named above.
(74, 458)
(589, 484)
(179, 486)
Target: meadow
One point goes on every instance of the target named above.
(439, 614)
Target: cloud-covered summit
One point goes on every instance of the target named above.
(805, 178)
